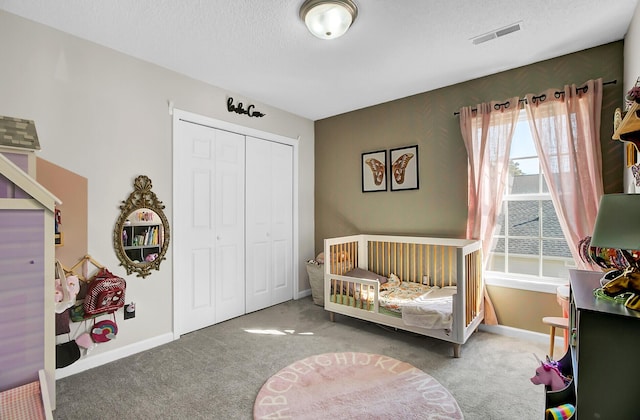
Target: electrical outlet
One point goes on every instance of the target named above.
(129, 311)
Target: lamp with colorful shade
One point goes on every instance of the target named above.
(618, 227)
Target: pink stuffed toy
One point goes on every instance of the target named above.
(65, 298)
(549, 374)
(73, 287)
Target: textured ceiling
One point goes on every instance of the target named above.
(261, 49)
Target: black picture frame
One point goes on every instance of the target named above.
(374, 171)
(403, 168)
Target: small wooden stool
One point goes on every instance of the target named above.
(555, 322)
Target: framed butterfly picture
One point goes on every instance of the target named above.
(374, 171)
(404, 168)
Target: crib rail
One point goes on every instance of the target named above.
(474, 286)
(432, 261)
(420, 263)
(356, 293)
(342, 257)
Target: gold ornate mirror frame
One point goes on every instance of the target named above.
(142, 201)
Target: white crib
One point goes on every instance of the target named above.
(440, 263)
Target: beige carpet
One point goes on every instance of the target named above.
(217, 372)
(354, 385)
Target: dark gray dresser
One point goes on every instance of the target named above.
(605, 352)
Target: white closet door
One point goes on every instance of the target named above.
(282, 222)
(209, 191)
(229, 219)
(269, 215)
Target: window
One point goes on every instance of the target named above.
(528, 243)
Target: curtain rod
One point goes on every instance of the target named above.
(583, 89)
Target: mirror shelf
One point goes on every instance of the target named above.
(141, 234)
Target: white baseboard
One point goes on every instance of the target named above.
(518, 333)
(91, 361)
(303, 293)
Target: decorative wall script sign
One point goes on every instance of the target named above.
(240, 109)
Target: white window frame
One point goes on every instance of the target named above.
(517, 280)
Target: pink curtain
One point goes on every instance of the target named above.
(566, 131)
(487, 134)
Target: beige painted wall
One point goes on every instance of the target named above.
(524, 309)
(632, 52)
(631, 75)
(104, 116)
(439, 207)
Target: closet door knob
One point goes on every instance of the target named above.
(218, 237)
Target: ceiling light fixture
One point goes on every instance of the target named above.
(328, 19)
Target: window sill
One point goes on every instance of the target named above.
(533, 285)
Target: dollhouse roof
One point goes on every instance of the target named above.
(19, 133)
(27, 184)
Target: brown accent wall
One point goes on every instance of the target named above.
(524, 309)
(71, 189)
(439, 206)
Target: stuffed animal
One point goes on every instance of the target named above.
(548, 374)
(393, 282)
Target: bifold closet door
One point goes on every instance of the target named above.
(269, 223)
(210, 205)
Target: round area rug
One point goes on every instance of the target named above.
(353, 386)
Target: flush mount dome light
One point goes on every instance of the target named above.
(328, 19)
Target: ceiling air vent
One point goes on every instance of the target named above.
(497, 33)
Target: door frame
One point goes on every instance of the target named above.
(175, 222)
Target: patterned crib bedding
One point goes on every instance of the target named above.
(394, 294)
(420, 305)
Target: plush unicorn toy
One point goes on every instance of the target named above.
(549, 374)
